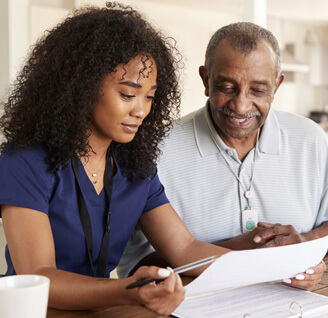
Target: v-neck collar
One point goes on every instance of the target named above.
(87, 187)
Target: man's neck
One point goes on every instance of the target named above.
(242, 146)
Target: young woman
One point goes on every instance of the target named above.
(77, 170)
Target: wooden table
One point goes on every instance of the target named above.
(142, 312)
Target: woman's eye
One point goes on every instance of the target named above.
(151, 98)
(126, 96)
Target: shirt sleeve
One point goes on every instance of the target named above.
(23, 180)
(156, 196)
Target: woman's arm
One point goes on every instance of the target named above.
(31, 247)
(171, 238)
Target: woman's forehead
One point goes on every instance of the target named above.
(140, 67)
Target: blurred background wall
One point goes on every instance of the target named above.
(300, 25)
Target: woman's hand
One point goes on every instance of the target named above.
(164, 297)
(308, 280)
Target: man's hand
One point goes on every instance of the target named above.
(277, 235)
(264, 235)
(244, 241)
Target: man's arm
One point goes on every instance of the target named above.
(242, 242)
(270, 235)
(278, 235)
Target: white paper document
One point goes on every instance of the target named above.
(243, 268)
(264, 300)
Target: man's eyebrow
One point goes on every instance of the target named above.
(134, 85)
(260, 83)
(221, 78)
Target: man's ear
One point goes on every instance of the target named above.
(204, 76)
(279, 81)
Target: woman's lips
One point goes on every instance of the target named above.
(131, 129)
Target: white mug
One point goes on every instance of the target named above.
(24, 296)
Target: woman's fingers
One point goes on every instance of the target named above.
(309, 279)
(164, 297)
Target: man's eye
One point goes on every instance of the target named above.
(126, 96)
(258, 92)
(226, 89)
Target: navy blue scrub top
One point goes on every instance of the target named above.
(26, 182)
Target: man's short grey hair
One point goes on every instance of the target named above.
(245, 38)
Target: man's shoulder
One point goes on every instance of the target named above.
(300, 131)
(294, 118)
(182, 128)
(297, 122)
(182, 137)
(185, 120)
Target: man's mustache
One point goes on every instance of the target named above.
(229, 112)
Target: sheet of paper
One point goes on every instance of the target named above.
(262, 300)
(241, 268)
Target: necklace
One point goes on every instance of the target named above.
(249, 216)
(247, 192)
(94, 175)
(97, 173)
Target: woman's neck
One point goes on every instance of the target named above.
(94, 164)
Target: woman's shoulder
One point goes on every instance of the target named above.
(33, 156)
(25, 179)
(35, 151)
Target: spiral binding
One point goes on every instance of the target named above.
(292, 304)
(300, 307)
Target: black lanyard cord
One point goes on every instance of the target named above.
(85, 217)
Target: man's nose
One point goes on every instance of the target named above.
(241, 103)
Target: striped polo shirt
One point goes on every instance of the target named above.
(289, 183)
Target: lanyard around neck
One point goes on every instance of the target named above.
(247, 192)
(85, 217)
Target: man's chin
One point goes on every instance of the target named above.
(241, 133)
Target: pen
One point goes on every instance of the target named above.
(177, 270)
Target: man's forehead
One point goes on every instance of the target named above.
(224, 47)
(258, 81)
(263, 58)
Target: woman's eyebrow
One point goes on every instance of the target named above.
(134, 85)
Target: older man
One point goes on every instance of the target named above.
(240, 174)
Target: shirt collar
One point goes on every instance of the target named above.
(269, 142)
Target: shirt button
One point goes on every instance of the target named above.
(230, 153)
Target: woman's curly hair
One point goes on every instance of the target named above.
(53, 97)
